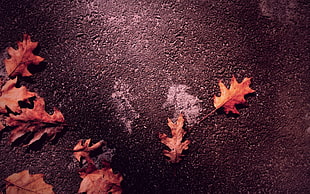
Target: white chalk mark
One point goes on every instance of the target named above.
(183, 102)
(125, 110)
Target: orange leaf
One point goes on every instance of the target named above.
(25, 183)
(175, 143)
(233, 96)
(10, 95)
(22, 57)
(35, 120)
(101, 181)
(96, 181)
(82, 150)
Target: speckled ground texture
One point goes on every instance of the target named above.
(117, 69)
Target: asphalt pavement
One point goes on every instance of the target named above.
(117, 69)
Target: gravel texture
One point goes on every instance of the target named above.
(117, 69)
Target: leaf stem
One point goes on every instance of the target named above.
(204, 118)
(19, 64)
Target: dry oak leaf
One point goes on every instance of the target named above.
(22, 58)
(25, 183)
(101, 181)
(82, 150)
(10, 96)
(35, 120)
(233, 96)
(175, 143)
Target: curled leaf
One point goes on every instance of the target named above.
(82, 150)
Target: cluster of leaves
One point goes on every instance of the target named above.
(23, 119)
(36, 120)
(96, 180)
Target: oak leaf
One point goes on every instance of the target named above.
(82, 150)
(175, 143)
(10, 96)
(35, 120)
(234, 95)
(22, 58)
(101, 181)
(25, 183)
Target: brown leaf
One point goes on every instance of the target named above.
(25, 183)
(22, 58)
(233, 96)
(101, 181)
(82, 150)
(175, 143)
(35, 120)
(10, 96)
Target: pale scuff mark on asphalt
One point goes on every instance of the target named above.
(283, 11)
(125, 111)
(183, 102)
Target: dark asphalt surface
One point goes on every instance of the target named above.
(118, 68)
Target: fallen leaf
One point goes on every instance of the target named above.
(82, 150)
(25, 183)
(35, 120)
(10, 96)
(101, 181)
(22, 58)
(233, 96)
(175, 143)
